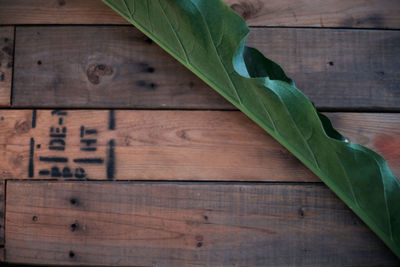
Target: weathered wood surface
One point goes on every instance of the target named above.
(2, 211)
(379, 132)
(315, 13)
(6, 63)
(119, 67)
(195, 223)
(167, 145)
(191, 224)
(319, 13)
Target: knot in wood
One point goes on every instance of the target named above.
(95, 71)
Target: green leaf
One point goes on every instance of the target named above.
(208, 38)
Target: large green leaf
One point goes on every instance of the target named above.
(208, 38)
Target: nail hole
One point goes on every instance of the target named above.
(74, 226)
(330, 63)
(38, 146)
(200, 244)
(205, 217)
(34, 218)
(150, 69)
(301, 212)
(74, 202)
(39, 62)
(71, 254)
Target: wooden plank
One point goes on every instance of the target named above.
(118, 67)
(380, 132)
(6, 63)
(190, 224)
(350, 69)
(57, 12)
(136, 72)
(2, 211)
(168, 145)
(319, 13)
(315, 13)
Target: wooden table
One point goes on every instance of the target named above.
(112, 153)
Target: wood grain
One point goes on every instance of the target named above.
(172, 145)
(350, 69)
(6, 62)
(190, 224)
(319, 13)
(119, 67)
(314, 13)
(2, 211)
(59, 66)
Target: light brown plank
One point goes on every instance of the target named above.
(174, 145)
(319, 13)
(6, 62)
(118, 67)
(380, 132)
(315, 13)
(191, 224)
(57, 12)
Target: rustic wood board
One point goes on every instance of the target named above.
(6, 63)
(166, 145)
(319, 13)
(119, 67)
(189, 224)
(314, 13)
(2, 211)
(350, 69)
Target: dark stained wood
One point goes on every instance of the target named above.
(315, 13)
(190, 224)
(174, 145)
(56, 70)
(351, 69)
(118, 67)
(6, 63)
